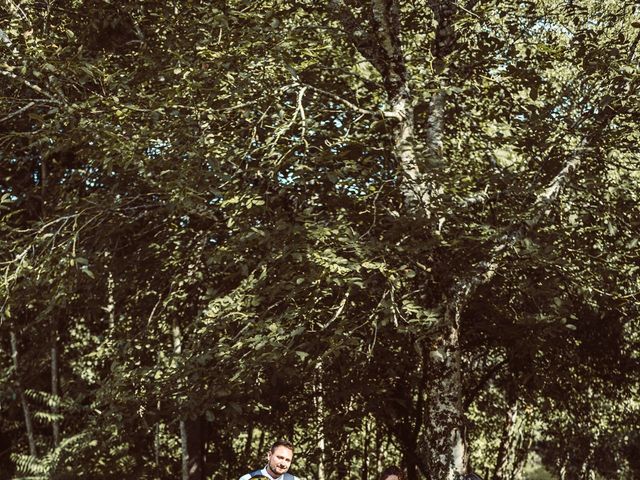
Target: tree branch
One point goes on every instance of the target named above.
(344, 101)
(484, 271)
(481, 383)
(355, 30)
(17, 112)
(30, 85)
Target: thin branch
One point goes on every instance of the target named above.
(17, 112)
(339, 309)
(30, 85)
(466, 9)
(15, 8)
(489, 375)
(303, 116)
(344, 101)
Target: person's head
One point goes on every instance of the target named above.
(392, 473)
(279, 457)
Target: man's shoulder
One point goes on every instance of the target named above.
(250, 475)
(258, 474)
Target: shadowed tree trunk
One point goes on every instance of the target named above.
(514, 444)
(249, 442)
(365, 449)
(55, 382)
(28, 422)
(193, 448)
(319, 400)
(260, 450)
(191, 432)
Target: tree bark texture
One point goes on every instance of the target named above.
(514, 444)
(445, 418)
(319, 401)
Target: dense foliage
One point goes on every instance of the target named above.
(392, 231)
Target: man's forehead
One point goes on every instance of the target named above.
(281, 450)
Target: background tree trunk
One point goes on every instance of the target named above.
(319, 400)
(365, 449)
(194, 446)
(514, 444)
(247, 446)
(191, 432)
(55, 381)
(28, 422)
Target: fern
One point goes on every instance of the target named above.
(46, 467)
(47, 417)
(44, 398)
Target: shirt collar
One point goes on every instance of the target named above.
(268, 475)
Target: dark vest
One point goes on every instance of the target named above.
(258, 474)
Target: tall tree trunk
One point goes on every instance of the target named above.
(365, 449)
(447, 443)
(23, 399)
(417, 463)
(445, 422)
(260, 450)
(378, 446)
(184, 451)
(319, 400)
(381, 45)
(514, 444)
(192, 432)
(192, 435)
(184, 431)
(247, 446)
(448, 453)
(55, 381)
(156, 444)
(193, 445)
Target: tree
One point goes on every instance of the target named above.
(259, 216)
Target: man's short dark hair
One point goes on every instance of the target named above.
(392, 470)
(281, 443)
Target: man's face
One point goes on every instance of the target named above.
(280, 460)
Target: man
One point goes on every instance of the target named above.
(392, 473)
(278, 462)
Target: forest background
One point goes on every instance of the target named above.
(391, 231)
